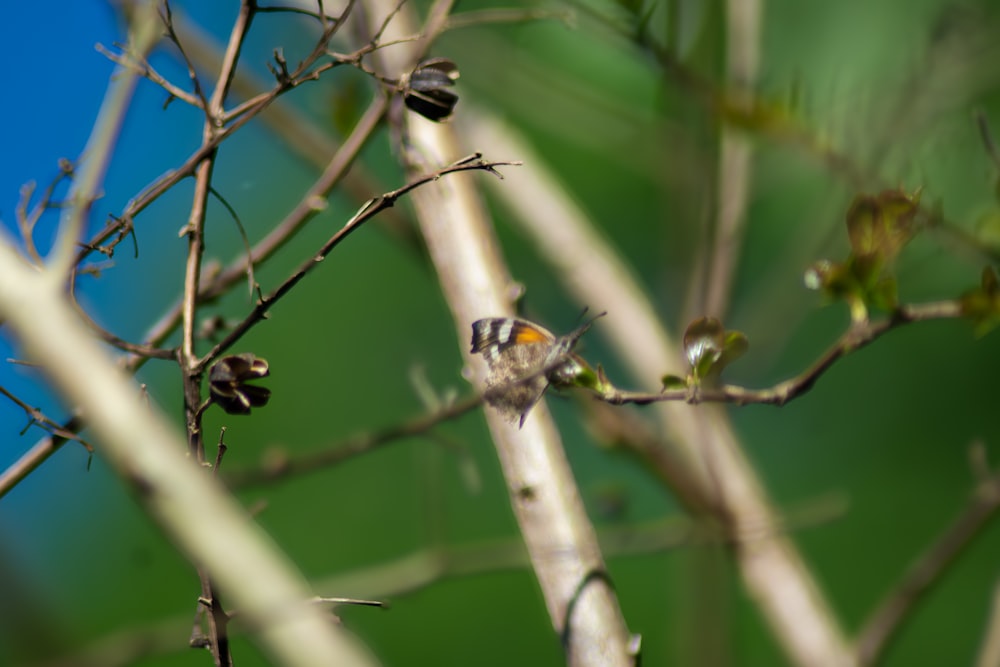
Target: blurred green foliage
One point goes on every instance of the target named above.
(626, 103)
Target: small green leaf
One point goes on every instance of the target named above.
(710, 348)
(703, 341)
(673, 382)
(734, 346)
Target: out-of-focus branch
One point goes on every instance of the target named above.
(144, 29)
(732, 189)
(204, 523)
(273, 470)
(989, 652)
(416, 571)
(705, 464)
(892, 613)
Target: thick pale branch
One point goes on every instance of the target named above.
(207, 525)
(706, 465)
(583, 609)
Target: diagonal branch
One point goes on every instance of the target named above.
(97, 153)
(146, 451)
(885, 623)
(367, 212)
(342, 451)
(852, 340)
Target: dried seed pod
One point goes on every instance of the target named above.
(227, 383)
(425, 89)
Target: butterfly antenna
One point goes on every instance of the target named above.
(582, 329)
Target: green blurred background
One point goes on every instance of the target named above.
(883, 439)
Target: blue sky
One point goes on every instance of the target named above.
(56, 80)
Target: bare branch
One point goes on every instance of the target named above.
(367, 212)
(204, 523)
(281, 469)
(27, 219)
(142, 67)
(167, 17)
(852, 340)
(97, 152)
(36, 416)
(543, 494)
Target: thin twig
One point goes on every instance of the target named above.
(97, 153)
(27, 219)
(36, 416)
(215, 617)
(285, 468)
(226, 125)
(310, 205)
(141, 67)
(167, 17)
(304, 72)
(366, 213)
(852, 340)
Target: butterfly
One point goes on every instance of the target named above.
(523, 360)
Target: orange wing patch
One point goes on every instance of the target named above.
(526, 335)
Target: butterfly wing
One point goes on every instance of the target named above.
(515, 350)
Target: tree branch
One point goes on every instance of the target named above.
(367, 212)
(144, 35)
(852, 340)
(703, 460)
(285, 468)
(885, 623)
(197, 515)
